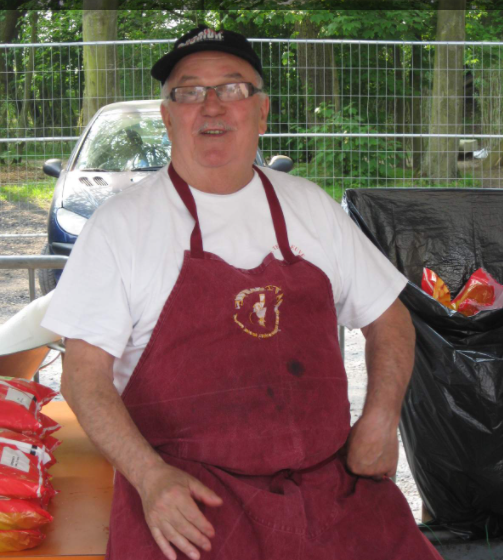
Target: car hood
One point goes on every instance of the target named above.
(84, 191)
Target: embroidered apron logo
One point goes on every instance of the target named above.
(258, 311)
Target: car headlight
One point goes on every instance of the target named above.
(70, 222)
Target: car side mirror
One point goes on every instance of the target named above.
(52, 167)
(281, 163)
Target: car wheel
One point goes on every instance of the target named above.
(46, 278)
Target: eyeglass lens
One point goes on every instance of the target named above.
(225, 92)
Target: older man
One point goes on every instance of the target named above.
(202, 353)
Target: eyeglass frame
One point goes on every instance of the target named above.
(251, 89)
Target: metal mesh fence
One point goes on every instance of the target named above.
(375, 113)
(349, 113)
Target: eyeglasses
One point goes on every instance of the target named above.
(225, 92)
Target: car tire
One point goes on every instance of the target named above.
(46, 278)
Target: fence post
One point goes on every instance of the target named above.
(342, 340)
(31, 279)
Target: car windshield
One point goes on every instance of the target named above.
(125, 142)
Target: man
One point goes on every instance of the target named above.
(202, 354)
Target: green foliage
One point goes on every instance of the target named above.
(145, 24)
(356, 161)
(379, 24)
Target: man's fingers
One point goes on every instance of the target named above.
(194, 516)
(391, 473)
(173, 514)
(181, 542)
(191, 533)
(163, 543)
(377, 469)
(380, 478)
(202, 493)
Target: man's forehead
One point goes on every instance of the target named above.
(198, 64)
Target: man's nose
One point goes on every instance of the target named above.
(212, 104)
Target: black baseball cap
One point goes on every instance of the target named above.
(203, 38)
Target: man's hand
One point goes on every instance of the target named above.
(372, 448)
(168, 495)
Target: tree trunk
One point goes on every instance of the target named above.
(317, 71)
(8, 31)
(416, 126)
(99, 60)
(489, 171)
(440, 162)
(399, 111)
(28, 76)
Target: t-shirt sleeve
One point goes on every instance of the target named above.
(91, 299)
(369, 282)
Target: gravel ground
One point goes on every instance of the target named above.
(14, 296)
(14, 287)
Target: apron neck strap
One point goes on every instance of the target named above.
(196, 240)
(278, 218)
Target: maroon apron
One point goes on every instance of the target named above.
(242, 385)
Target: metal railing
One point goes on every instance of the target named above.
(32, 263)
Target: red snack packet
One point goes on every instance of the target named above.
(30, 442)
(481, 292)
(51, 443)
(22, 514)
(48, 492)
(22, 471)
(20, 405)
(49, 426)
(435, 287)
(14, 541)
(468, 307)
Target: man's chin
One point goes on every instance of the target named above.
(216, 162)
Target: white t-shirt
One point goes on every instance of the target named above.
(128, 257)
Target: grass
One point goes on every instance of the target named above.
(37, 193)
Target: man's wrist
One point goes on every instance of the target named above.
(381, 416)
(142, 472)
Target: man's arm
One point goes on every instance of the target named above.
(389, 354)
(167, 493)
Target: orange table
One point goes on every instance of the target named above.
(82, 508)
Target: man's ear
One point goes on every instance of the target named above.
(166, 118)
(264, 112)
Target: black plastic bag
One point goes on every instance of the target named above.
(452, 417)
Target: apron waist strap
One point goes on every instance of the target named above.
(278, 481)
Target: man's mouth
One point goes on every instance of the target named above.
(215, 129)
